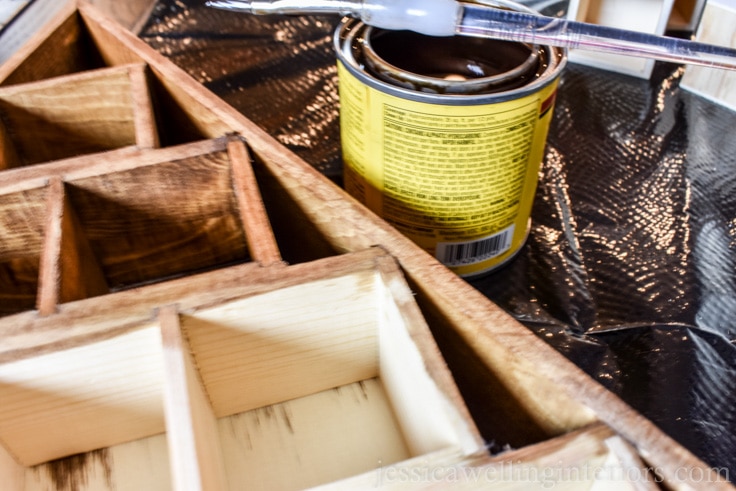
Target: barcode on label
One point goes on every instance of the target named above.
(461, 253)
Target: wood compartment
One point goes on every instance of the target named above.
(327, 379)
(78, 73)
(100, 226)
(325, 373)
(62, 47)
(76, 114)
(22, 219)
(187, 210)
(155, 222)
(83, 398)
(69, 269)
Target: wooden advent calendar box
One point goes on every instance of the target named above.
(155, 337)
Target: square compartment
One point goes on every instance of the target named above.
(74, 400)
(80, 42)
(326, 374)
(79, 114)
(83, 227)
(22, 221)
(323, 379)
(158, 221)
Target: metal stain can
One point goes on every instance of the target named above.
(443, 137)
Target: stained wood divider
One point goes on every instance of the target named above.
(69, 270)
(127, 221)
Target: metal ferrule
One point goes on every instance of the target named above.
(291, 7)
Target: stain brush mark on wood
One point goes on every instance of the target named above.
(71, 473)
(363, 389)
(287, 418)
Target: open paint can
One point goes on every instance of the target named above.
(443, 136)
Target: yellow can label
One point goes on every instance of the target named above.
(457, 180)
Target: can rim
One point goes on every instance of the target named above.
(385, 70)
(349, 30)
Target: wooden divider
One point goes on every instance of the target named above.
(69, 269)
(129, 220)
(261, 241)
(146, 131)
(191, 426)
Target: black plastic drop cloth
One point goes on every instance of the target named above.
(629, 270)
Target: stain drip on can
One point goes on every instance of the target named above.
(443, 137)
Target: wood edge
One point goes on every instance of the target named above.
(572, 461)
(538, 466)
(17, 58)
(47, 83)
(49, 282)
(191, 427)
(12, 472)
(393, 279)
(562, 452)
(133, 23)
(137, 26)
(77, 323)
(146, 131)
(72, 169)
(592, 436)
(258, 232)
(630, 459)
